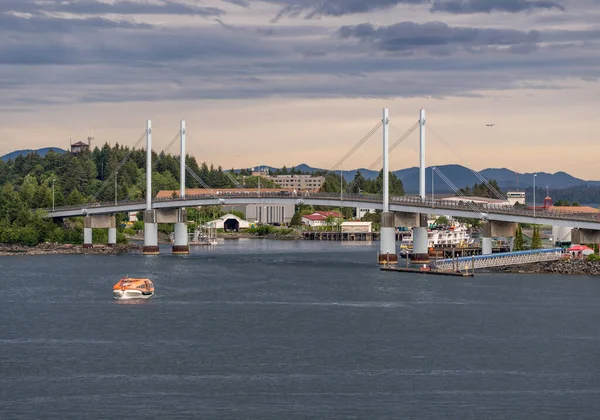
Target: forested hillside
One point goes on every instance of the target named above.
(36, 182)
(27, 183)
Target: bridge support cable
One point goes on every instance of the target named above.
(350, 152)
(107, 182)
(477, 174)
(204, 185)
(396, 143)
(457, 191)
(165, 150)
(233, 180)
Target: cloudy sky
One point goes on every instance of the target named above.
(290, 81)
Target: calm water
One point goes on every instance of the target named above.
(292, 330)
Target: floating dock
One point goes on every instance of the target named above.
(432, 271)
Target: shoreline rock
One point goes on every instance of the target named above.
(565, 266)
(61, 249)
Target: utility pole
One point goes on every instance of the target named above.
(52, 194)
(116, 175)
(534, 175)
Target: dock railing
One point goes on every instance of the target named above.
(500, 259)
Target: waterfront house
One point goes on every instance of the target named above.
(319, 218)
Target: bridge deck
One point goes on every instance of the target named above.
(398, 204)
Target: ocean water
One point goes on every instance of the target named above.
(257, 329)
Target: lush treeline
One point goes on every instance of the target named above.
(361, 185)
(482, 190)
(584, 194)
(35, 182)
(91, 175)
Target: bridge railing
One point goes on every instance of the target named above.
(415, 201)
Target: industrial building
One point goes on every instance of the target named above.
(267, 214)
(295, 182)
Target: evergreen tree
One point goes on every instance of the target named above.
(482, 190)
(296, 219)
(518, 242)
(536, 241)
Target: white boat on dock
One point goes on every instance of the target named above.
(203, 236)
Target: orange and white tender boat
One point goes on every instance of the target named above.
(130, 288)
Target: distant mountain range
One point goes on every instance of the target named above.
(25, 152)
(462, 177)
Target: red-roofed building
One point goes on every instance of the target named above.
(548, 205)
(319, 218)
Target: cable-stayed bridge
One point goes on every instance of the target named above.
(499, 220)
(397, 204)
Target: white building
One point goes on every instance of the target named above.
(515, 197)
(267, 213)
(360, 212)
(357, 227)
(297, 182)
(561, 234)
(229, 222)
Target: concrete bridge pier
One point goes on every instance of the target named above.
(87, 232)
(387, 240)
(420, 254)
(180, 246)
(100, 221)
(585, 236)
(150, 233)
(112, 236)
(112, 232)
(495, 229)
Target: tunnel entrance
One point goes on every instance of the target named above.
(231, 225)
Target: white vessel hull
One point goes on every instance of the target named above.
(131, 294)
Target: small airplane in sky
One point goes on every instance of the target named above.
(490, 125)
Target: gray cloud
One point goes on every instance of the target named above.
(241, 3)
(411, 36)
(45, 24)
(97, 59)
(123, 7)
(315, 8)
(489, 6)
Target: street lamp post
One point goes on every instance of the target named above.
(52, 194)
(534, 175)
(116, 174)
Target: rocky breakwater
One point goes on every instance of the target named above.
(564, 266)
(51, 248)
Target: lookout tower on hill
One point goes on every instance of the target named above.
(80, 146)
